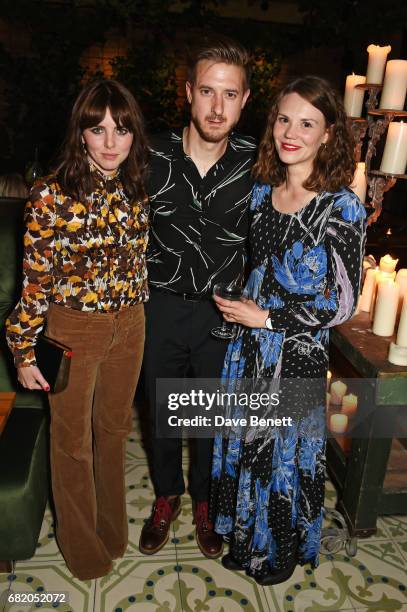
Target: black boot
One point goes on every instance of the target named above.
(229, 563)
(278, 576)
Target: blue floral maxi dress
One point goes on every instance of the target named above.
(268, 490)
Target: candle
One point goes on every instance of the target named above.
(395, 150)
(385, 276)
(353, 100)
(359, 185)
(338, 423)
(349, 404)
(328, 399)
(401, 280)
(395, 85)
(397, 354)
(387, 264)
(386, 306)
(402, 330)
(338, 390)
(377, 62)
(368, 290)
(380, 276)
(328, 378)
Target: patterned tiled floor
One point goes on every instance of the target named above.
(180, 579)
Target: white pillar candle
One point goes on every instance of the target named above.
(359, 185)
(394, 158)
(368, 290)
(338, 390)
(401, 280)
(338, 423)
(386, 305)
(395, 85)
(379, 277)
(377, 62)
(385, 276)
(353, 100)
(397, 355)
(349, 404)
(387, 263)
(402, 329)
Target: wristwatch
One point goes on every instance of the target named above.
(268, 322)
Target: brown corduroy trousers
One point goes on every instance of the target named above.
(90, 420)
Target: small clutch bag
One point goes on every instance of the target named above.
(54, 362)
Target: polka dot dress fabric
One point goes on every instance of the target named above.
(268, 485)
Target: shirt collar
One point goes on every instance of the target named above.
(176, 139)
(98, 174)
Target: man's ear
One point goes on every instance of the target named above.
(188, 89)
(246, 95)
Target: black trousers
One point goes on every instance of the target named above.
(179, 343)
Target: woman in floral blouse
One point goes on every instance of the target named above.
(85, 280)
(307, 243)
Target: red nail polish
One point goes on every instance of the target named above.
(46, 388)
(69, 354)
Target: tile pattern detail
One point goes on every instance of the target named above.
(180, 579)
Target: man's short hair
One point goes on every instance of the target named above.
(219, 50)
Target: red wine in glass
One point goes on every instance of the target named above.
(227, 291)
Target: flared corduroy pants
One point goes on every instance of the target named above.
(90, 421)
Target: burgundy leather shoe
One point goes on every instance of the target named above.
(209, 542)
(155, 532)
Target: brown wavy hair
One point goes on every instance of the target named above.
(334, 164)
(73, 172)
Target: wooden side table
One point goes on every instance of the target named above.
(371, 478)
(6, 404)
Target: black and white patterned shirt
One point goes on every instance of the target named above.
(199, 225)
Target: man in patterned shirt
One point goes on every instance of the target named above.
(199, 192)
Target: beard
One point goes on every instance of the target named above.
(208, 135)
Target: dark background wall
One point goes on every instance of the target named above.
(49, 48)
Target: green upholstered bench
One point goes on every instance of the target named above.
(24, 471)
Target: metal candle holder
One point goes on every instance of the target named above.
(376, 124)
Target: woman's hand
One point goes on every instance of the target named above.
(246, 312)
(31, 378)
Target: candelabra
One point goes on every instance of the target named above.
(374, 125)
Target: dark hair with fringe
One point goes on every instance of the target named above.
(220, 50)
(334, 165)
(73, 173)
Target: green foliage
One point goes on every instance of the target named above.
(265, 69)
(150, 76)
(40, 86)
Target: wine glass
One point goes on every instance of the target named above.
(227, 291)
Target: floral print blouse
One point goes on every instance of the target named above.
(88, 256)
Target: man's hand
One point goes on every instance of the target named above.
(31, 378)
(246, 312)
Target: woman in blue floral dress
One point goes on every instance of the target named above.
(307, 243)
